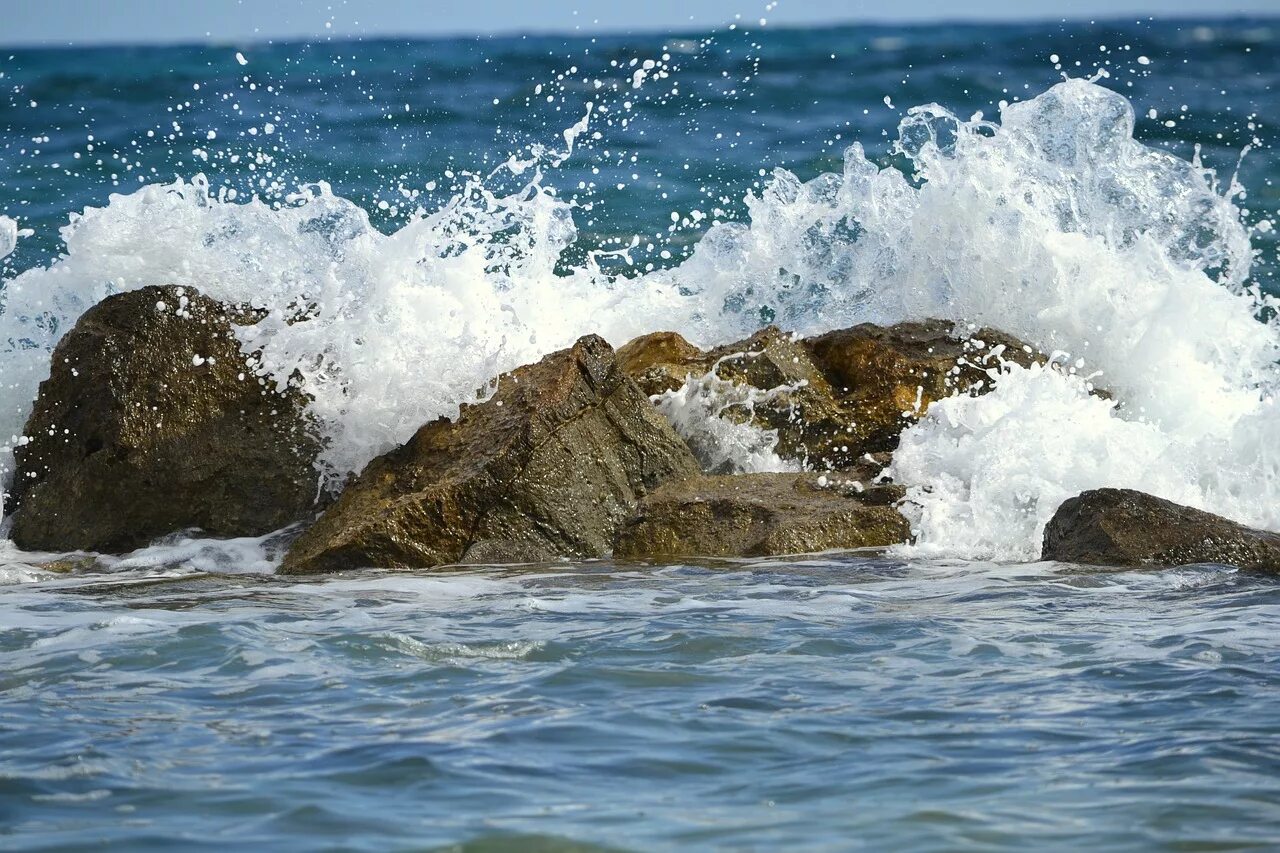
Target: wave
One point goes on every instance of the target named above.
(1055, 225)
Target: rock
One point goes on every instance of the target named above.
(152, 420)
(753, 515)
(1122, 527)
(67, 565)
(887, 376)
(834, 398)
(813, 427)
(549, 467)
(660, 361)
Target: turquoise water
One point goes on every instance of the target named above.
(184, 698)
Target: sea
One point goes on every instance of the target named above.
(450, 208)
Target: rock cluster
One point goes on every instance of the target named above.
(837, 397)
(153, 420)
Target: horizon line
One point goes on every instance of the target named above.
(553, 32)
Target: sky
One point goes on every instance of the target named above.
(148, 21)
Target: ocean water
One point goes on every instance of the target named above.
(471, 204)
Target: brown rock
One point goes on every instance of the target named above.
(660, 361)
(549, 467)
(752, 515)
(888, 375)
(836, 397)
(813, 426)
(1122, 527)
(153, 421)
(790, 394)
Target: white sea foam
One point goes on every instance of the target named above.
(402, 328)
(8, 236)
(1055, 225)
(247, 554)
(697, 410)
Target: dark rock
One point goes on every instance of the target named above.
(1122, 527)
(153, 421)
(889, 375)
(752, 515)
(549, 467)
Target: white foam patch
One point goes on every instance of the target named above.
(242, 555)
(989, 472)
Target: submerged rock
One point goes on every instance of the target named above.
(152, 420)
(549, 467)
(754, 515)
(889, 375)
(1122, 527)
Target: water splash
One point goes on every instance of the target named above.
(713, 415)
(9, 234)
(1054, 225)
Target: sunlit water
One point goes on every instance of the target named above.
(186, 698)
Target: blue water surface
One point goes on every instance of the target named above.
(822, 704)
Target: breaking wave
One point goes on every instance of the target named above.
(1055, 224)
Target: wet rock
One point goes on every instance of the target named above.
(752, 515)
(1122, 527)
(836, 397)
(67, 565)
(660, 361)
(549, 467)
(887, 376)
(152, 420)
(813, 426)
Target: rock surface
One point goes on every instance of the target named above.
(889, 375)
(1122, 527)
(788, 393)
(813, 426)
(151, 421)
(660, 361)
(834, 398)
(754, 515)
(549, 467)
